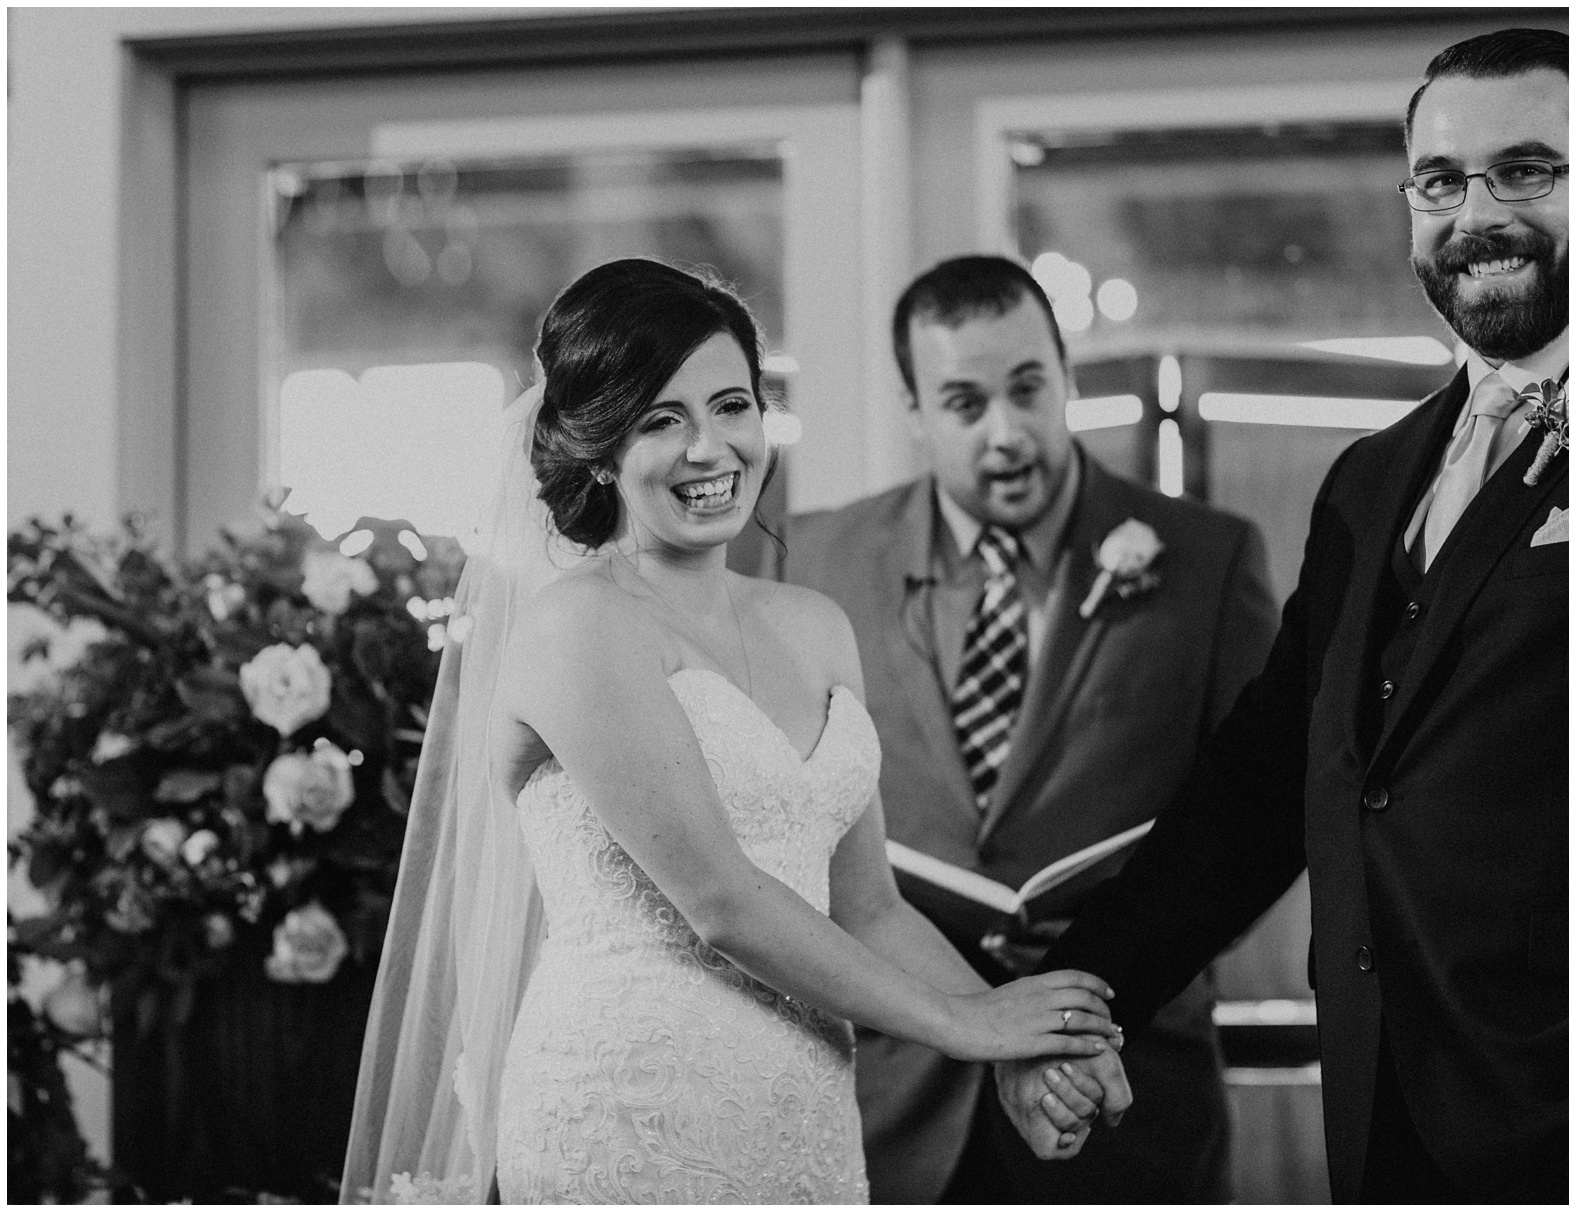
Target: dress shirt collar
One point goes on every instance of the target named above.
(1039, 542)
(1549, 362)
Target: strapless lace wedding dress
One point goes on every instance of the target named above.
(646, 1068)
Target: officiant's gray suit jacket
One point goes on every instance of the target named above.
(1113, 710)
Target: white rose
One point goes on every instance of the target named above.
(111, 745)
(162, 838)
(199, 846)
(331, 578)
(286, 687)
(218, 931)
(224, 598)
(309, 788)
(1129, 549)
(133, 911)
(75, 1006)
(308, 947)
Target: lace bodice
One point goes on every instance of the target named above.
(645, 1066)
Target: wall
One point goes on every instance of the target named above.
(67, 71)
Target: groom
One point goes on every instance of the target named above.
(1107, 703)
(1408, 740)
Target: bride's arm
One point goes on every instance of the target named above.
(866, 902)
(588, 677)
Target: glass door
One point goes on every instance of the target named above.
(369, 264)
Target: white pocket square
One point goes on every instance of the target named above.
(1556, 530)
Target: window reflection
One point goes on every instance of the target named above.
(1249, 234)
(406, 298)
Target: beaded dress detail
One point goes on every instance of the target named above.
(644, 1066)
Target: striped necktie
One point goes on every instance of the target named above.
(989, 692)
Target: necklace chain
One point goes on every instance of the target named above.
(738, 623)
(744, 649)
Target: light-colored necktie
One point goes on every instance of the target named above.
(989, 690)
(1467, 465)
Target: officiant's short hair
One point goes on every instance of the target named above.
(1505, 52)
(961, 289)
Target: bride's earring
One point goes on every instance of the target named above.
(602, 476)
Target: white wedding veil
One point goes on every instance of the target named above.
(466, 921)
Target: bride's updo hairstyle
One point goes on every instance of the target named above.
(610, 342)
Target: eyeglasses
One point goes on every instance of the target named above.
(1512, 181)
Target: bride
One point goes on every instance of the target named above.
(644, 887)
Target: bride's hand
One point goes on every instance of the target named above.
(1055, 1014)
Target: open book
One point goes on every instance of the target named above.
(968, 906)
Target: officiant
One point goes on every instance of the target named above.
(1045, 644)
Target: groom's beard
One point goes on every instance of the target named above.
(1501, 325)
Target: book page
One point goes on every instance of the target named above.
(970, 884)
(1064, 869)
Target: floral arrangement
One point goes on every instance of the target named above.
(1548, 415)
(220, 751)
(47, 1161)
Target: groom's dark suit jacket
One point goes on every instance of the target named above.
(1408, 741)
(1113, 713)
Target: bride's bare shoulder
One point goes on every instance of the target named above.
(810, 622)
(585, 598)
(583, 617)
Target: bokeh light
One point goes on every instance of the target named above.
(1117, 299)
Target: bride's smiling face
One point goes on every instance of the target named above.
(690, 471)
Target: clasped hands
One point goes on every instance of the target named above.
(1053, 1101)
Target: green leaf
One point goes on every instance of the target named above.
(394, 793)
(358, 720)
(121, 841)
(187, 786)
(212, 693)
(117, 788)
(47, 863)
(36, 933)
(174, 734)
(181, 1005)
(147, 1012)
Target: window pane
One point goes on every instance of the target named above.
(406, 299)
(1248, 235)
(1266, 266)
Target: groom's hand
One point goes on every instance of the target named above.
(1105, 1070)
(1053, 1104)
(1052, 1108)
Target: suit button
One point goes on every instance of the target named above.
(1377, 799)
(1386, 688)
(1365, 959)
(1412, 610)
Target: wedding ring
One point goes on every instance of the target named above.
(1067, 1017)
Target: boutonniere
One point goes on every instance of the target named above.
(1550, 417)
(1124, 559)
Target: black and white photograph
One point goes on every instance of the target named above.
(788, 605)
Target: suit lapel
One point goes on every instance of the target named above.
(1071, 642)
(907, 585)
(1481, 538)
(1394, 498)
